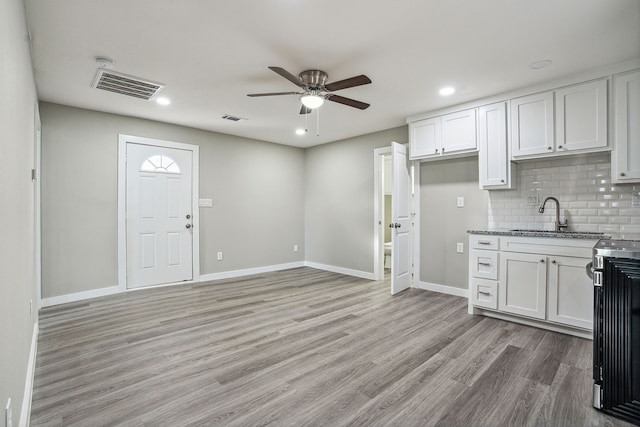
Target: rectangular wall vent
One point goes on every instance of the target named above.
(233, 118)
(124, 84)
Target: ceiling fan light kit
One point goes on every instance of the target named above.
(312, 100)
(316, 89)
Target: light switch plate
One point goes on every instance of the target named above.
(460, 248)
(635, 199)
(460, 202)
(532, 200)
(205, 203)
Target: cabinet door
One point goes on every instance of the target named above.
(581, 116)
(494, 163)
(570, 293)
(459, 131)
(425, 137)
(625, 158)
(532, 125)
(523, 284)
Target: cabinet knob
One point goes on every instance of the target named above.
(542, 260)
(549, 148)
(560, 147)
(553, 262)
(443, 149)
(436, 151)
(502, 181)
(623, 174)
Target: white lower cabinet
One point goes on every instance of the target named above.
(570, 292)
(540, 279)
(523, 284)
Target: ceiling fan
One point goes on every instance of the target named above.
(316, 89)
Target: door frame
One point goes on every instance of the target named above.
(123, 140)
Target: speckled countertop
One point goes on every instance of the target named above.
(543, 233)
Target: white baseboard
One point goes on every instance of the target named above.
(25, 411)
(249, 271)
(450, 290)
(341, 270)
(78, 296)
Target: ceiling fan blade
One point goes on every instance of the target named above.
(346, 83)
(273, 94)
(287, 75)
(304, 109)
(347, 101)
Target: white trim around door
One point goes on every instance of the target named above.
(123, 140)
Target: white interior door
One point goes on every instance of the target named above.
(159, 217)
(400, 221)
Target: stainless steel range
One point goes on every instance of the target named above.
(616, 328)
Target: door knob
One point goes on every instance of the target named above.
(396, 225)
(188, 225)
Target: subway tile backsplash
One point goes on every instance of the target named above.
(582, 184)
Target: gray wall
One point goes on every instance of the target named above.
(442, 224)
(17, 283)
(257, 190)
(339, 200)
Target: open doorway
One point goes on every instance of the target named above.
(394, 225)
(383, 172)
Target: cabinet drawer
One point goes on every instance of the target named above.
(484, 264)
(479, 241)
(484, 293)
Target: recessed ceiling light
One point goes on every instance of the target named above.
(539, 64)
(301, 131)
(448, 90)
(163, 101)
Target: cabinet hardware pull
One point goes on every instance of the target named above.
(484, 292)
(484, 263)
(483, 242)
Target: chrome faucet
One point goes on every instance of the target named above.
(559, 225)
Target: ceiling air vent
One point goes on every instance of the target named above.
(124, 84)
(233, 118)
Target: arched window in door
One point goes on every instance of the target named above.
(161, 164)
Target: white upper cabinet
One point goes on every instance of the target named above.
(425, 137)
(625, 156)
(532, 125)
(581, 116)
(494, 165)
(578, 114)
(459, 132)
(451, 134)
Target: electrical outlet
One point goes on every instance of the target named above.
(295, 248)
(635, 199)
(219, 256)
(8, 415)
(532, 200)
(460, 202)
(460, 248)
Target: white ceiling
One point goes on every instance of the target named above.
(211, 53)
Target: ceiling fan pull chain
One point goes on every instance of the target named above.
(317, 122)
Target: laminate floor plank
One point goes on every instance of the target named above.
(302, 347)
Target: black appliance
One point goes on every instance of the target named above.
(616, 328)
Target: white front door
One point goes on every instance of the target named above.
(400, 221)
(159, 217)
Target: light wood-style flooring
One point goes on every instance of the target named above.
(303, 347)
